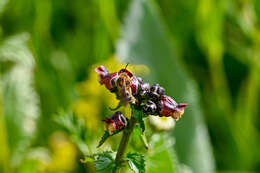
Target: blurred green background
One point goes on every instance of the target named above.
(204, 52)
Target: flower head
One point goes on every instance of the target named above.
(106, 78)
(144, 90)
(169, 107)
(156, 91)
(135, 85)
(115, 122)
(150, 107)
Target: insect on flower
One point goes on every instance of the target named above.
(131, 89)
(123, 84)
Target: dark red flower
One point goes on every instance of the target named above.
(169, 107)
(116, 121)
(150, 107)
(135, 85)
(144, 90)
(156, 91)
(106, 78)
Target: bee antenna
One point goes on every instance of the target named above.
(126, 65)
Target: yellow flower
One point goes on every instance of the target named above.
(64, 154)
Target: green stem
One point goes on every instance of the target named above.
(124, 141)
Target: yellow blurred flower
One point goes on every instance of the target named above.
(63, 154)
(88, 111)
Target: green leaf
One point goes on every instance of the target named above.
(139, 115)
(144, 140)
(136, 162)
(106, 136)
(87, 159)
(141, 123)
(145, 41)
(139, 135)
(105, 162)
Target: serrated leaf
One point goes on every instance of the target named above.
(105, 162)
(136, 162)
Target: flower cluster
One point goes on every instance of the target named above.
(131, 89)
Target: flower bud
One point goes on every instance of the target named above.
(156, 91)
(144, 90)
(150, 107)
(115, 122)
(140, 80)
(135, 85)
(169, 107)
(106, 78)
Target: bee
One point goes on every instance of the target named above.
(123, 83)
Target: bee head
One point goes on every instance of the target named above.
(123, 80)
(124, 70)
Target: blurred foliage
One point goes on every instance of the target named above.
(204, 52)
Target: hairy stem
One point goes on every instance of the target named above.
(124, 141)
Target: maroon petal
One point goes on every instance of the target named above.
(105, 77)
(108, 120)
(135, 84)
(182, 105)
(102, 70)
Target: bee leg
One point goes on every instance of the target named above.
(117, 107)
